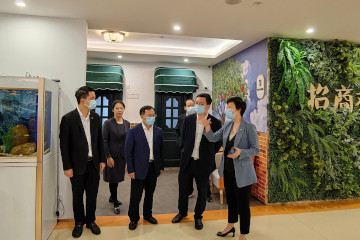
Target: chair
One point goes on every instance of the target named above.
(215, 178)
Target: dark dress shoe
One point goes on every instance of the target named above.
(78, 229)
(178, 218)
(198, 224)
(132, 225)
(209, 199)
(117, 210)
(94, 228)
(151, 220)
(118, 203)
(220, 234)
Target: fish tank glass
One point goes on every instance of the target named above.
(18, 122)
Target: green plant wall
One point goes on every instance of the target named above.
(313, 153)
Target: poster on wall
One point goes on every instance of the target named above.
(243, 75)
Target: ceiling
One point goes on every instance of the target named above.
(167, 48)
(204, 19)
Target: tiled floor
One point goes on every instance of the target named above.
(315, 221)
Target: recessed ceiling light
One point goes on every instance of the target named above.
(177, 27)
(20, 4)
(119, 56)
(186, 60)
(310, 30)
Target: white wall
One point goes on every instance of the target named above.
(139, 77)
(54, 48)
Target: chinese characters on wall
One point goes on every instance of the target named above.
(343, 99)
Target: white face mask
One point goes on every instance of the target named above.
(92, 104)
(190, 110)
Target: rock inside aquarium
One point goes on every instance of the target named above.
(24, 149)
(20, 135)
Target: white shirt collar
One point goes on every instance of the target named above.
(145, 128)
(82, 115)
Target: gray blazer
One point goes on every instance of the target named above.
(247, 140)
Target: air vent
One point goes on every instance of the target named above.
(232, 2)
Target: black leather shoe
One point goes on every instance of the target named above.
(178, 218)
(209, 199)
(132, 225)
(94, 228)
(118, 203)
(78, 229)
(198, 224)
(117, 210)
(151, 220)
(220, 234)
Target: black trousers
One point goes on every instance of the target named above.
(88, 182)
(186, 179)
(113, 191)
(137, 187)
(238, 202)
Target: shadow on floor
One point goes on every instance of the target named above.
(165, 196)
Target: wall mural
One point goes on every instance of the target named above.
(243, 75)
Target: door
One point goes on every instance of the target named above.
(168, 107)
(104, 100)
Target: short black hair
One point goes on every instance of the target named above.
(207, 96)
(188, 100)
(144, 108)
(83, 92)
(239, 104)
(116, 102)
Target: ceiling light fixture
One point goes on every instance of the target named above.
(20, 3)
(113, 37)
(232, 2)
(177, 28)
(119, 56)
(310, 30)
(186, 60)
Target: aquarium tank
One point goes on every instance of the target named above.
(18, 122)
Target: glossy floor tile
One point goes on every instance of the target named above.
(323, 225)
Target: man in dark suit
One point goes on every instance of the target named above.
(83, 157)
(190, 109)
(145, 162)
(197, 159)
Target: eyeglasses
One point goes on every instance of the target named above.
(152, 116)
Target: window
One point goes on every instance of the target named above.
(172, 112)
(102, 108)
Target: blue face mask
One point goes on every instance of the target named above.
(92, 104)
(190, 110)
(199, 109)
(229, 114)
(150, 121)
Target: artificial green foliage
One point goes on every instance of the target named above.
(296, 76)
(313, 154)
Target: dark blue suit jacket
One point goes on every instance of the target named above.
(137, 151)
(207, 149)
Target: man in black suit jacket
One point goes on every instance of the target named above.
(83, 156)
(197, 159)
(190, 109)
